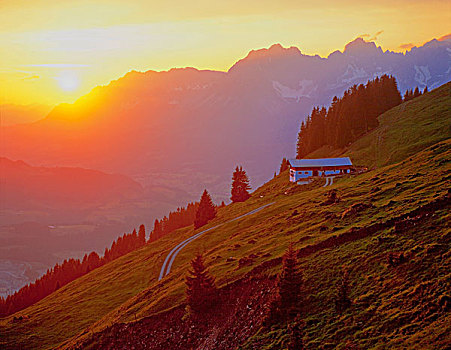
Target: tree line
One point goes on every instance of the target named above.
(69, 270)
(350, 116)
(200, 213)
(182, 217)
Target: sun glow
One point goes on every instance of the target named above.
(68, 81)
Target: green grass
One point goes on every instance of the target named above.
(127, 289)
(393, 307)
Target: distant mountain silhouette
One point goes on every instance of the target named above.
(18, 114)
(24, 187)
(188, 128)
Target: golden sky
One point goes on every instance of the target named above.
(56, 51)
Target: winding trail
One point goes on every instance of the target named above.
(169, 260)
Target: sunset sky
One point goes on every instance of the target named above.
(56, 51)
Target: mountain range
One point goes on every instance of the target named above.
(188, 128)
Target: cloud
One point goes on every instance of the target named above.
(57, 65)
(407, 46)
(32, 77)
(369, 37)
(376, 35)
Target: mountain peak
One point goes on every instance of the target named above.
(265, 54)
(274, 50)
(359, 47)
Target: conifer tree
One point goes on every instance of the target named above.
(295, 333)
(206, 210)
(157, 231)
(289, 282)
(406, 96)
(416, 93)
(341, 299)
(425, 90)
(283, 165)
(200, 287)
(142, 235)
(240, 185)
(286, 302)
(131, 242)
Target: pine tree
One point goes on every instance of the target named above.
(142, 235)
(200, 287)
(131, 242)
(157, 231)
(416, 93)
(287, 301)
(290, 282)
(240, 186)
(206, 210)
(301, 143)
(341, 299)
(425, 90)
(295, 333)
(283, 165)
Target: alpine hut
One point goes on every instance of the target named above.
(304, 169)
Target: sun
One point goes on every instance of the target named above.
(68, 80)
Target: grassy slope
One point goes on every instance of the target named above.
(127, 288)
(393, 306)
(403, 131)
(403, 187)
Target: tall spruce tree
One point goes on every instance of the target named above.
(206, 210)
(157, 231)
(240, 185)
(295, 335)
(416, 92)
(341, 299)
(284, 165)
(142, 235)
(289, 283)
(200, 287)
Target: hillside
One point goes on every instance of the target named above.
(153, 126)
(398, 208)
